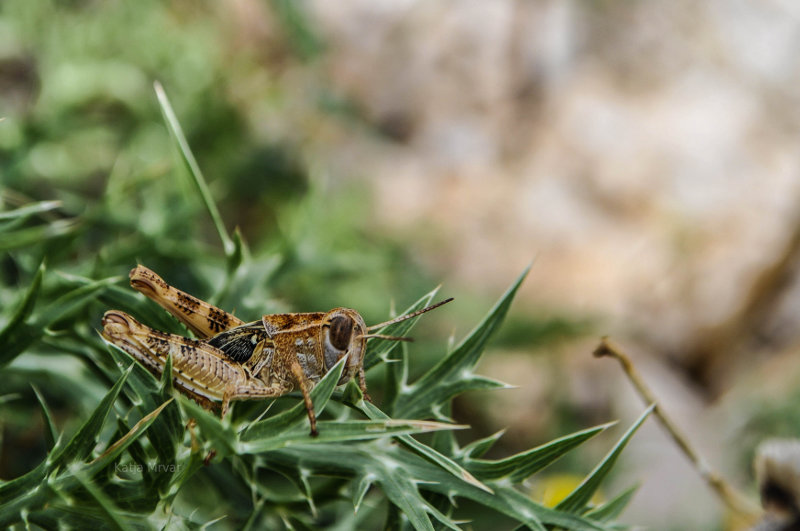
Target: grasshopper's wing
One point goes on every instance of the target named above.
(202, 318)
(240, 343)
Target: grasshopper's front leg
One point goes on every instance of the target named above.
(202, 318)
(305, 388)
(198, 369)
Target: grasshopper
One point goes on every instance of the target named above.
(236, 360)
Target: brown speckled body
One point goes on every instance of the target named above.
(234, 360)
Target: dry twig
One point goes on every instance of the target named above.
(730, 496)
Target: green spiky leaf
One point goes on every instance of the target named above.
(380, 349)
(613, 507)
(518, 467)
(320, 395)
(81, 444)
(577, 500)
(51, 435)
(17, 335)
(454, 373)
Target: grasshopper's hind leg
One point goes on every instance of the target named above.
(196, 366)
(202, 318)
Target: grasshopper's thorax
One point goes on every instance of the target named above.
(342, 334)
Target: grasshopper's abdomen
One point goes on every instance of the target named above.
(197, 367)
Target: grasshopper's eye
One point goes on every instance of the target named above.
(341, 330)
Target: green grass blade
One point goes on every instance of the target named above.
(26, 237)
(185, 472)
(505, 500)
(241, 252)
(439, 395)
(166, 377)
(60, 515)
(578, 499)
(396, 376)
(17, 340)
(137, 452)
(176, 131)
(359, 461)
(445, 442)
(29, 210)
(144, 390)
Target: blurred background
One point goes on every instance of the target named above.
(643, 155)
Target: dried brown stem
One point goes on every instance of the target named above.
(735, 500)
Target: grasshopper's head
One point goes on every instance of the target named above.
(343, 332)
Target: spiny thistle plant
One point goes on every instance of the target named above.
(147, 457)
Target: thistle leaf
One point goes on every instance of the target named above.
(379, 349)
(519, 467)
(477, 448)
(82, 443)
(613, 507)
(426, 451)
(340, 431)
(453, 374)
(577, 500)
(113, 451)
(17, 335)
(110, 512)
(320, 394)
(51, 435)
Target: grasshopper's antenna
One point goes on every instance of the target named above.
(388, 338)
(408, 316)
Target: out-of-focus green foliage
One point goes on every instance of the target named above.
(93, 182)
